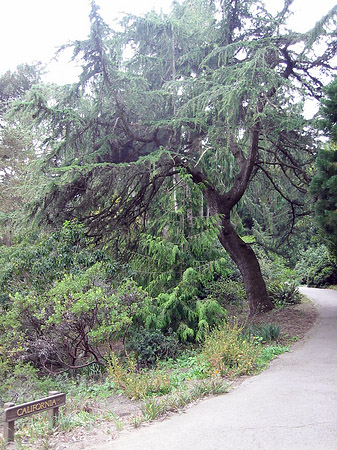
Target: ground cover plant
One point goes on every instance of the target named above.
(124, 396)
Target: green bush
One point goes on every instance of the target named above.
(73, 323)
(227, 291)
(185, 312)
(149, 346)
(138, 384)
(34, 262)
(18, 381)
(283, 293)
(317, 267)
(274, 267)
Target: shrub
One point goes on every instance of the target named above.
(317, 267)
(229, 352)
(35, 262)
(283, 293)
(226, 291)
(149, 346)
(18, 381)
(188, 315)
(73, 323)
(137, 384)
(274, 267)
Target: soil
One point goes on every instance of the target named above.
(294, 321)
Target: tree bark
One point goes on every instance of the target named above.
(240, 252)
(246, 261)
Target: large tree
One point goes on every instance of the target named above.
(211, 91)
(16, 141)
(324, 183)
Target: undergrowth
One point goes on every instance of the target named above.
(228, 351)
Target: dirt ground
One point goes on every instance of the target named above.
(294, 321)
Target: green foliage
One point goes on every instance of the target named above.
(34, 262)
(268, 353)
(149, 346)
(73, 323)
(229, 352)
(179, 239)
(264, 333)
(328, 110)
(227, 291)
(138, 384)
(275, 267)
(324, 189)
(283, 293)
(18, 380)
(189, 317)
(316, 267)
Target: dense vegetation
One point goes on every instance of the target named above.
(169, 187)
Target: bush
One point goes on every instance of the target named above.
(149, 346)
(283, 293)
(34, 263)
(73, 323)
(229, 352)
(226, 291)
(183, 311)
(138, 384)
(274, 267)
(317, 268)
(18, 381)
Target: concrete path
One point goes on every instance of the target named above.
(292, 405)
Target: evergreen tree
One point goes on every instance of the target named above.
(208, 90)
(16, 142)
(324, 183)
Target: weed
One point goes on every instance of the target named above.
(268, 354)
(153, 408)
(138, 384)
(265, 333)
(119, 424)
(229, 352)
(137, 420)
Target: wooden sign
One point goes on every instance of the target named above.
(14, 412)
(26, 409)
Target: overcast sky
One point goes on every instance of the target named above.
(32, 30)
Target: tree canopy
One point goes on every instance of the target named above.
(324, 183)
(210, 95)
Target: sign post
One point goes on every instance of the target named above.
(12, 412)
(8, 430)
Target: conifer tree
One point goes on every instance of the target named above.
(16, 142)
(324, 183)
(208, 89)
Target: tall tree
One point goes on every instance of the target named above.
(16, 139)
(208, 90)
(324, 183)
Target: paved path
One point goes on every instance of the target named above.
(292, 405)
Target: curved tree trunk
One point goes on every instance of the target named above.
(222, 204)
(246, 261)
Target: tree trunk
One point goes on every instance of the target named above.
(246, 261)
(222, 204)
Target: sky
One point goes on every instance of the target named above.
(32, 30)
